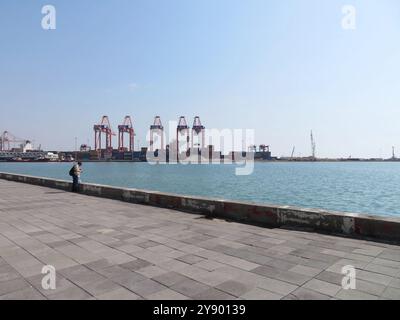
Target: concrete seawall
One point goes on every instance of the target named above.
(348, 224)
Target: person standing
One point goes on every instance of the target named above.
(75, 173)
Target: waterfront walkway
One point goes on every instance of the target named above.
(107, 249)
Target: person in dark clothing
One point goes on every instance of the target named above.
(75, 172)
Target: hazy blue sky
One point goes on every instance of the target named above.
(281, 67)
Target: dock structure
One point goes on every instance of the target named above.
(107, 249)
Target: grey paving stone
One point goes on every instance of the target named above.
(100, 245)
(128, 248)
(23, 294)
(266, 271)
(8, 273)
(354, 295)
(235, 288)
(209, 265)
(307, 271)
(118, 294)
(136, 264)
(250, 256)
(85, 277)
(57, 244)
(307, 294)
(99, 264)
(331, 277)
(148, 244)
(174, 265)
(391, 293)
(261, 294)
(336, 253)
(373, 277)
(276, 286)
(120, 258)
(61, 284)
(144, 288)
(389, 271)
(167, 294)
(192, 272)
(115, 272)
(12, 286)
(386, 263)
(151, 271)
(214, 294)
(189, 288)
(170, 278)
(292, 277)
(190, 259)
(395, 283)
(369, 251)
(71, 293)
(213, 278)
(359, 257)
(100, 287)
(390, 255)
(280, 264)
(369, 287)
(323, 287)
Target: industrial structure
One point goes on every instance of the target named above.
(13, 148)
(157, 129)
(263, 148)
(126, 128)
(9, 142)
(190, 142)
(182, 130)
(103, 128)
(198, 134)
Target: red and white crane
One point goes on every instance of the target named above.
(103, 127)
(126, 127)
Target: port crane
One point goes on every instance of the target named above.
(198, 131)
(9, 141)
(156, 128)
(126, 127)
(182, 130)
(103, 127)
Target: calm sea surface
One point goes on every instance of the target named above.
(353, 187)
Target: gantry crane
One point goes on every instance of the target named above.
(182, 130)
(126, 127)
(198, 131)
(103, 127)
(156, 128)
(8, 141)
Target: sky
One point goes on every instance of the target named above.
(280, 67)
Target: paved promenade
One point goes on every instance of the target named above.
(106, 249)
